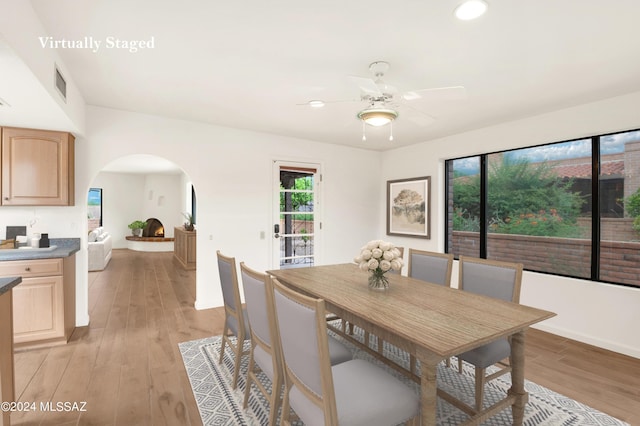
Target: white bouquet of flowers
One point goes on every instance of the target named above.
(378, 257)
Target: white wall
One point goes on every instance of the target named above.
(596, 313)
(121, 203)
(162, 199)
(231, 171)
(21, 29)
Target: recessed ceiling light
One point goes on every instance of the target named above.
(316, 104)
(471, 9)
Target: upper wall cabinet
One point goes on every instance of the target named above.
(37, 168)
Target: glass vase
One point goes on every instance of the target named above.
(378, 281)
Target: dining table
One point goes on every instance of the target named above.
(431, 322)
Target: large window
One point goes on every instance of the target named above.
(619, 186)
(541, 206)
(464, 207)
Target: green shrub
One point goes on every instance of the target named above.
(463, 221)
(516, 188)
(632, 204)
(543, 224)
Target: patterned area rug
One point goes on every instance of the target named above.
(220, 405)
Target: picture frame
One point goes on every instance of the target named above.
(409, 207)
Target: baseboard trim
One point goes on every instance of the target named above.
(590, 340)
(200, 306)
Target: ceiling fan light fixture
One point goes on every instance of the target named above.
(471, 9)
(377, 116)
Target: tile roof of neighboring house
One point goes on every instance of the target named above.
(613, 166)
(584, 170)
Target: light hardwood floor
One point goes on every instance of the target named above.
(127, 367)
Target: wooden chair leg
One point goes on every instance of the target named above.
(412, 363)
(460, 365)
(222, 347)
(286, 408)
(276, 387)
(479, 387)
(413, 421)
(236, 364)
(247, 387)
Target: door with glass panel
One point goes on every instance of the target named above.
(296, 223)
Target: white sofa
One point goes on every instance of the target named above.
(99, 249)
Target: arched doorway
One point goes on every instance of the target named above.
(136, 188)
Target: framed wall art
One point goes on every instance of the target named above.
(409, 207)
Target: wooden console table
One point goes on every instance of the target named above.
(184, 248)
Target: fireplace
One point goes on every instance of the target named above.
(154, 228)
(152, 238)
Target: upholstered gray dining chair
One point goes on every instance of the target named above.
(500, 280)
(265, 348)
(236, 322)
(430, 266)
(354, 392)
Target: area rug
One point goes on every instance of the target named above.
(221, 405)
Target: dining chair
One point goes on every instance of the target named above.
(501, 280)
(236, 322)
(354, 392)
(430, 266)
(265, 350)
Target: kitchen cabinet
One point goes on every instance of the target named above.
(44, 303)
(37, 168)
(184, 248)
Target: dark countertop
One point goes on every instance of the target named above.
(65, 247)
(8, 283)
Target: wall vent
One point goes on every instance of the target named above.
(61, 84)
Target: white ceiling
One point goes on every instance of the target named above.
(249, 63)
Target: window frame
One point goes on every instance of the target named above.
(595, 261)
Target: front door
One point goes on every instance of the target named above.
(296, 223)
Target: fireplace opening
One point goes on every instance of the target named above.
(154, 228)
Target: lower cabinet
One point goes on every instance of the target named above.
(184, 248)
(44, 303)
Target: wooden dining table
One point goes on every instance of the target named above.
(430, 321)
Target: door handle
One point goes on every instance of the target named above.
(276, 231)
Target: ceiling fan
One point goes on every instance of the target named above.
(383, 100)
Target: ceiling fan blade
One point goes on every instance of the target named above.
(416, 116)
(453, 93)
(421, 121)
(366, 85)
